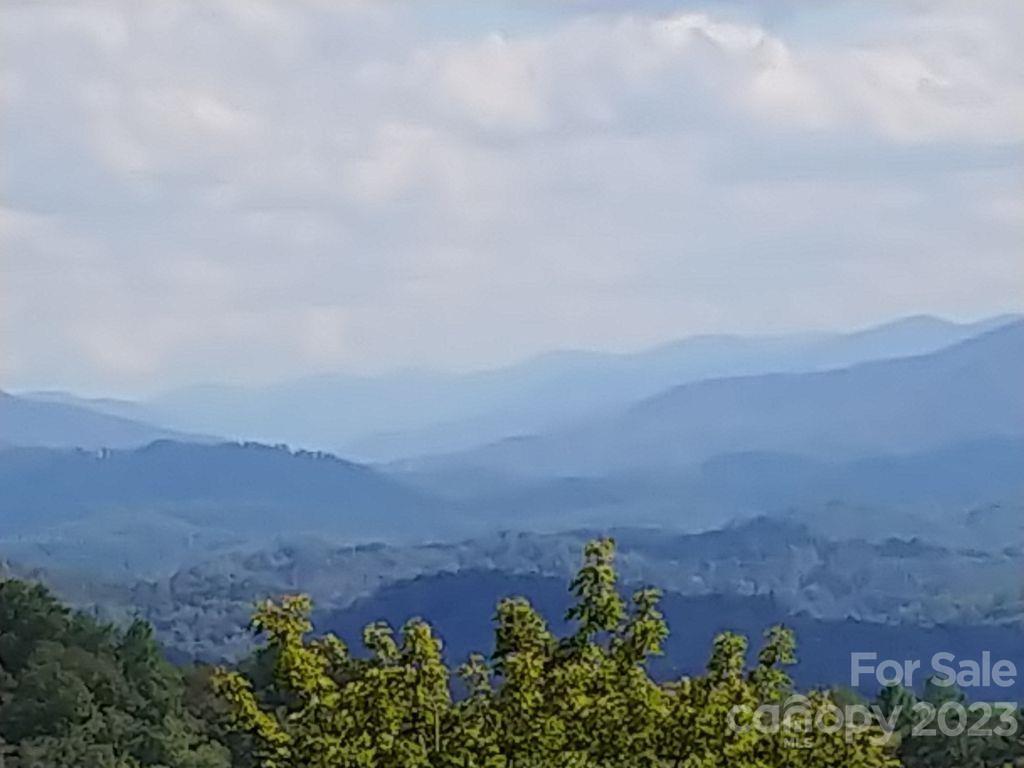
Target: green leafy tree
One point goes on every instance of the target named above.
(75, 693)
(585, 700)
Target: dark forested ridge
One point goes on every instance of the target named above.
(458, 606)
(61, 506)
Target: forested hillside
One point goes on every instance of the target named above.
(75, 693)
(247, 489)
(200, 610)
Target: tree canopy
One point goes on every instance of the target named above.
(74, 692)
(583, 700)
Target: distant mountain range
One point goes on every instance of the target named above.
(49, 421)
(969, 391)
(163, 505)
(411, 413)
(565, 388)
(899, 446)
(913, 439)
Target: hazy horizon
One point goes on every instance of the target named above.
(155, 389)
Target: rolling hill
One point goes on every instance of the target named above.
(202, 609)
(250, 490)
(911, 494)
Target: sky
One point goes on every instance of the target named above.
(255, 190)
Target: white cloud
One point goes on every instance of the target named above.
(231, 189)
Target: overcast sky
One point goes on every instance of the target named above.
(255, 190)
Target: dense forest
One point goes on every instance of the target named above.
(77, 693)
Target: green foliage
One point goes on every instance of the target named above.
(75, 693)
(585, 700)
